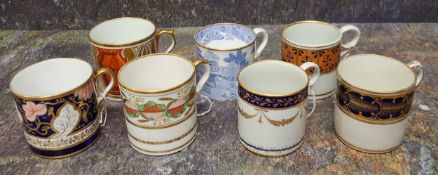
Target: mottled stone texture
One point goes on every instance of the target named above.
(216, 149)
(84, 14)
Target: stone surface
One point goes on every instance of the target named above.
(216, 149)
(84, 14)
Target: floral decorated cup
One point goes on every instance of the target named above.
(271, 114)
(115, 42)
(373, 100)
(228, 47)
(159, 102)
(58, 105)
(318, 42)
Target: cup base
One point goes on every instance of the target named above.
(270, 153)
(365, 150)
(114, 97)
(164, 152)
(69, 151)
(323, 96)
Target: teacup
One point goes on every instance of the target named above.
(318, 42)
(115, 42)
(159, 102)
(374, 96)
(271, 114)
(58, 105)
(228, 47)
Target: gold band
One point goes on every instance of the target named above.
(68, 155)
(376, 122)
(165, 151)
(165, 141)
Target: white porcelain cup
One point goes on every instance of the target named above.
(159, 102)
(318, 42)
(271, 114)
(373, 100)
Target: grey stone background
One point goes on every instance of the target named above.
(83, 14)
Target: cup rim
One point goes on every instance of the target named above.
(225, 23)
(56, 95)
(144, 39)
(185, 82)
(363, 89)
(283, 38)
(273, 95)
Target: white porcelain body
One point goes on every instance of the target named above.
(373, 101)
(165, 135)
(367, 137)
(159, 97)
(273, 124)
(310, 37)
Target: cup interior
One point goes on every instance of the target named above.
(120, 31)
(156, 72)
(225, 36)
(51, 77)
(376, 73)
(273, 78)
(312, 34)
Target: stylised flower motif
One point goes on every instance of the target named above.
(33, 110)
(239, 58)
(85, 92)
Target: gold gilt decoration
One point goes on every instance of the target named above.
(261, 113)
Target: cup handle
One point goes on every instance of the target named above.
(264, 41)
(171, 34)
(102, 95)
(312, 81)
(418, 69)
(349, 45)
(204, 77)
(202, 82)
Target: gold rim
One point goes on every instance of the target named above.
(144, 151)
(375, 122)
(365, 150)
(57, 95)
(273, 95)
(157, 91)
(225, 23)
(162, 126)
(283, 38)
(125, 44)
(165, 141)
(71, 154)
(397, 92)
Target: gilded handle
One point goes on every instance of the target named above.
(418, 69)
(171, 34)
(206, 74)
(101, 96)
